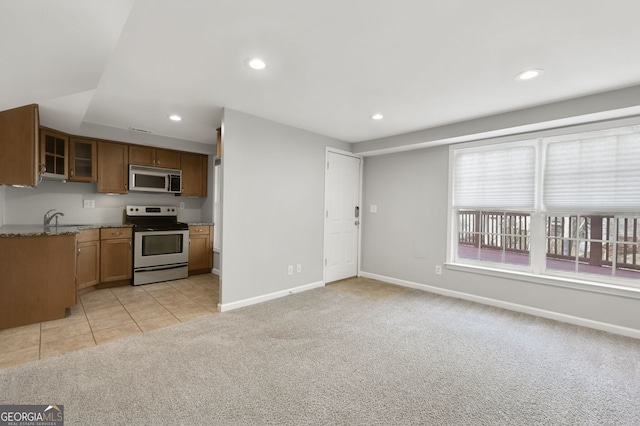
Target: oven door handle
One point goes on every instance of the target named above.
(161, 268)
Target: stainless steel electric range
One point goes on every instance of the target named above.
(160, 244)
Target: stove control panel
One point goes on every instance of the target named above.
(151, 211)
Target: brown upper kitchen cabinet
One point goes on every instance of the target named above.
(83, 155)
(19, 146)
(154, 157)
(54, 154)
(113, 166)
(194, 174)
(219, 142)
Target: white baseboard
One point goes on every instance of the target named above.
(603, 326)
(264, 298)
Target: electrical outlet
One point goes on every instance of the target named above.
(438, 270)
(182, 204)
(299, 268)
(89, 204)
(290, 270)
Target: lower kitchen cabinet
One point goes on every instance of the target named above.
(115, 254)
(37, 278)
(200, 249)
(88, 258)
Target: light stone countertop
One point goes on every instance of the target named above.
(200, 223)
(39, 230)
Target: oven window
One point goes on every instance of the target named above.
(153, 245)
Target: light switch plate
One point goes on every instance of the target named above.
(373, 208)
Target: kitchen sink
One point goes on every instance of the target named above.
(71, 225)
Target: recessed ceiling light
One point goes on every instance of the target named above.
(257, 64)
(377, 117)
(175, 117)
(529, 74)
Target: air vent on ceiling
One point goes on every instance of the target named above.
(139, 130)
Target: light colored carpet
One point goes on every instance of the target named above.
(330, 356)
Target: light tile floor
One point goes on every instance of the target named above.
(109, 314)
(367, 288)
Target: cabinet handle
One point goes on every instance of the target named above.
(72, 173)
(129, 245)
(115, 234)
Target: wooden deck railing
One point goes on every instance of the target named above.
(495, 230)
(593, 236)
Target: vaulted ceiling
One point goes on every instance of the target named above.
(330, 65)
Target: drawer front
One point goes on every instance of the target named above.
(199, 230)
(113, 233)
(88, 235)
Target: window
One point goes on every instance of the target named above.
(494, 195)
(502, 237)
(600, 245)
(565, 205)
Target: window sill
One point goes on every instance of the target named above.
(555, 281)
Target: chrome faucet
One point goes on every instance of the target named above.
(48, 218)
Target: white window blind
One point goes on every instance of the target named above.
(598, 173)
(494, 177)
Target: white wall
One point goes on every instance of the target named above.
(272, 207)
(410, 190)
(28, 205)
(586, 109)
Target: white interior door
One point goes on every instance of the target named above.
(342, 216)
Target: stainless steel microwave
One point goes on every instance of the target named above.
(154, 179)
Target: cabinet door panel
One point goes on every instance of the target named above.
(88, 264)
(82, 160)
(113, 164)
(115, 260)
(167, 158)
(19, 146)
(200, 248)
(54, 153)
(37, 279)
(194, 175)
(142, 155)
(198, 256)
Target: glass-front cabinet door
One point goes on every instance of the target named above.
(54, 148)
(82, 160)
